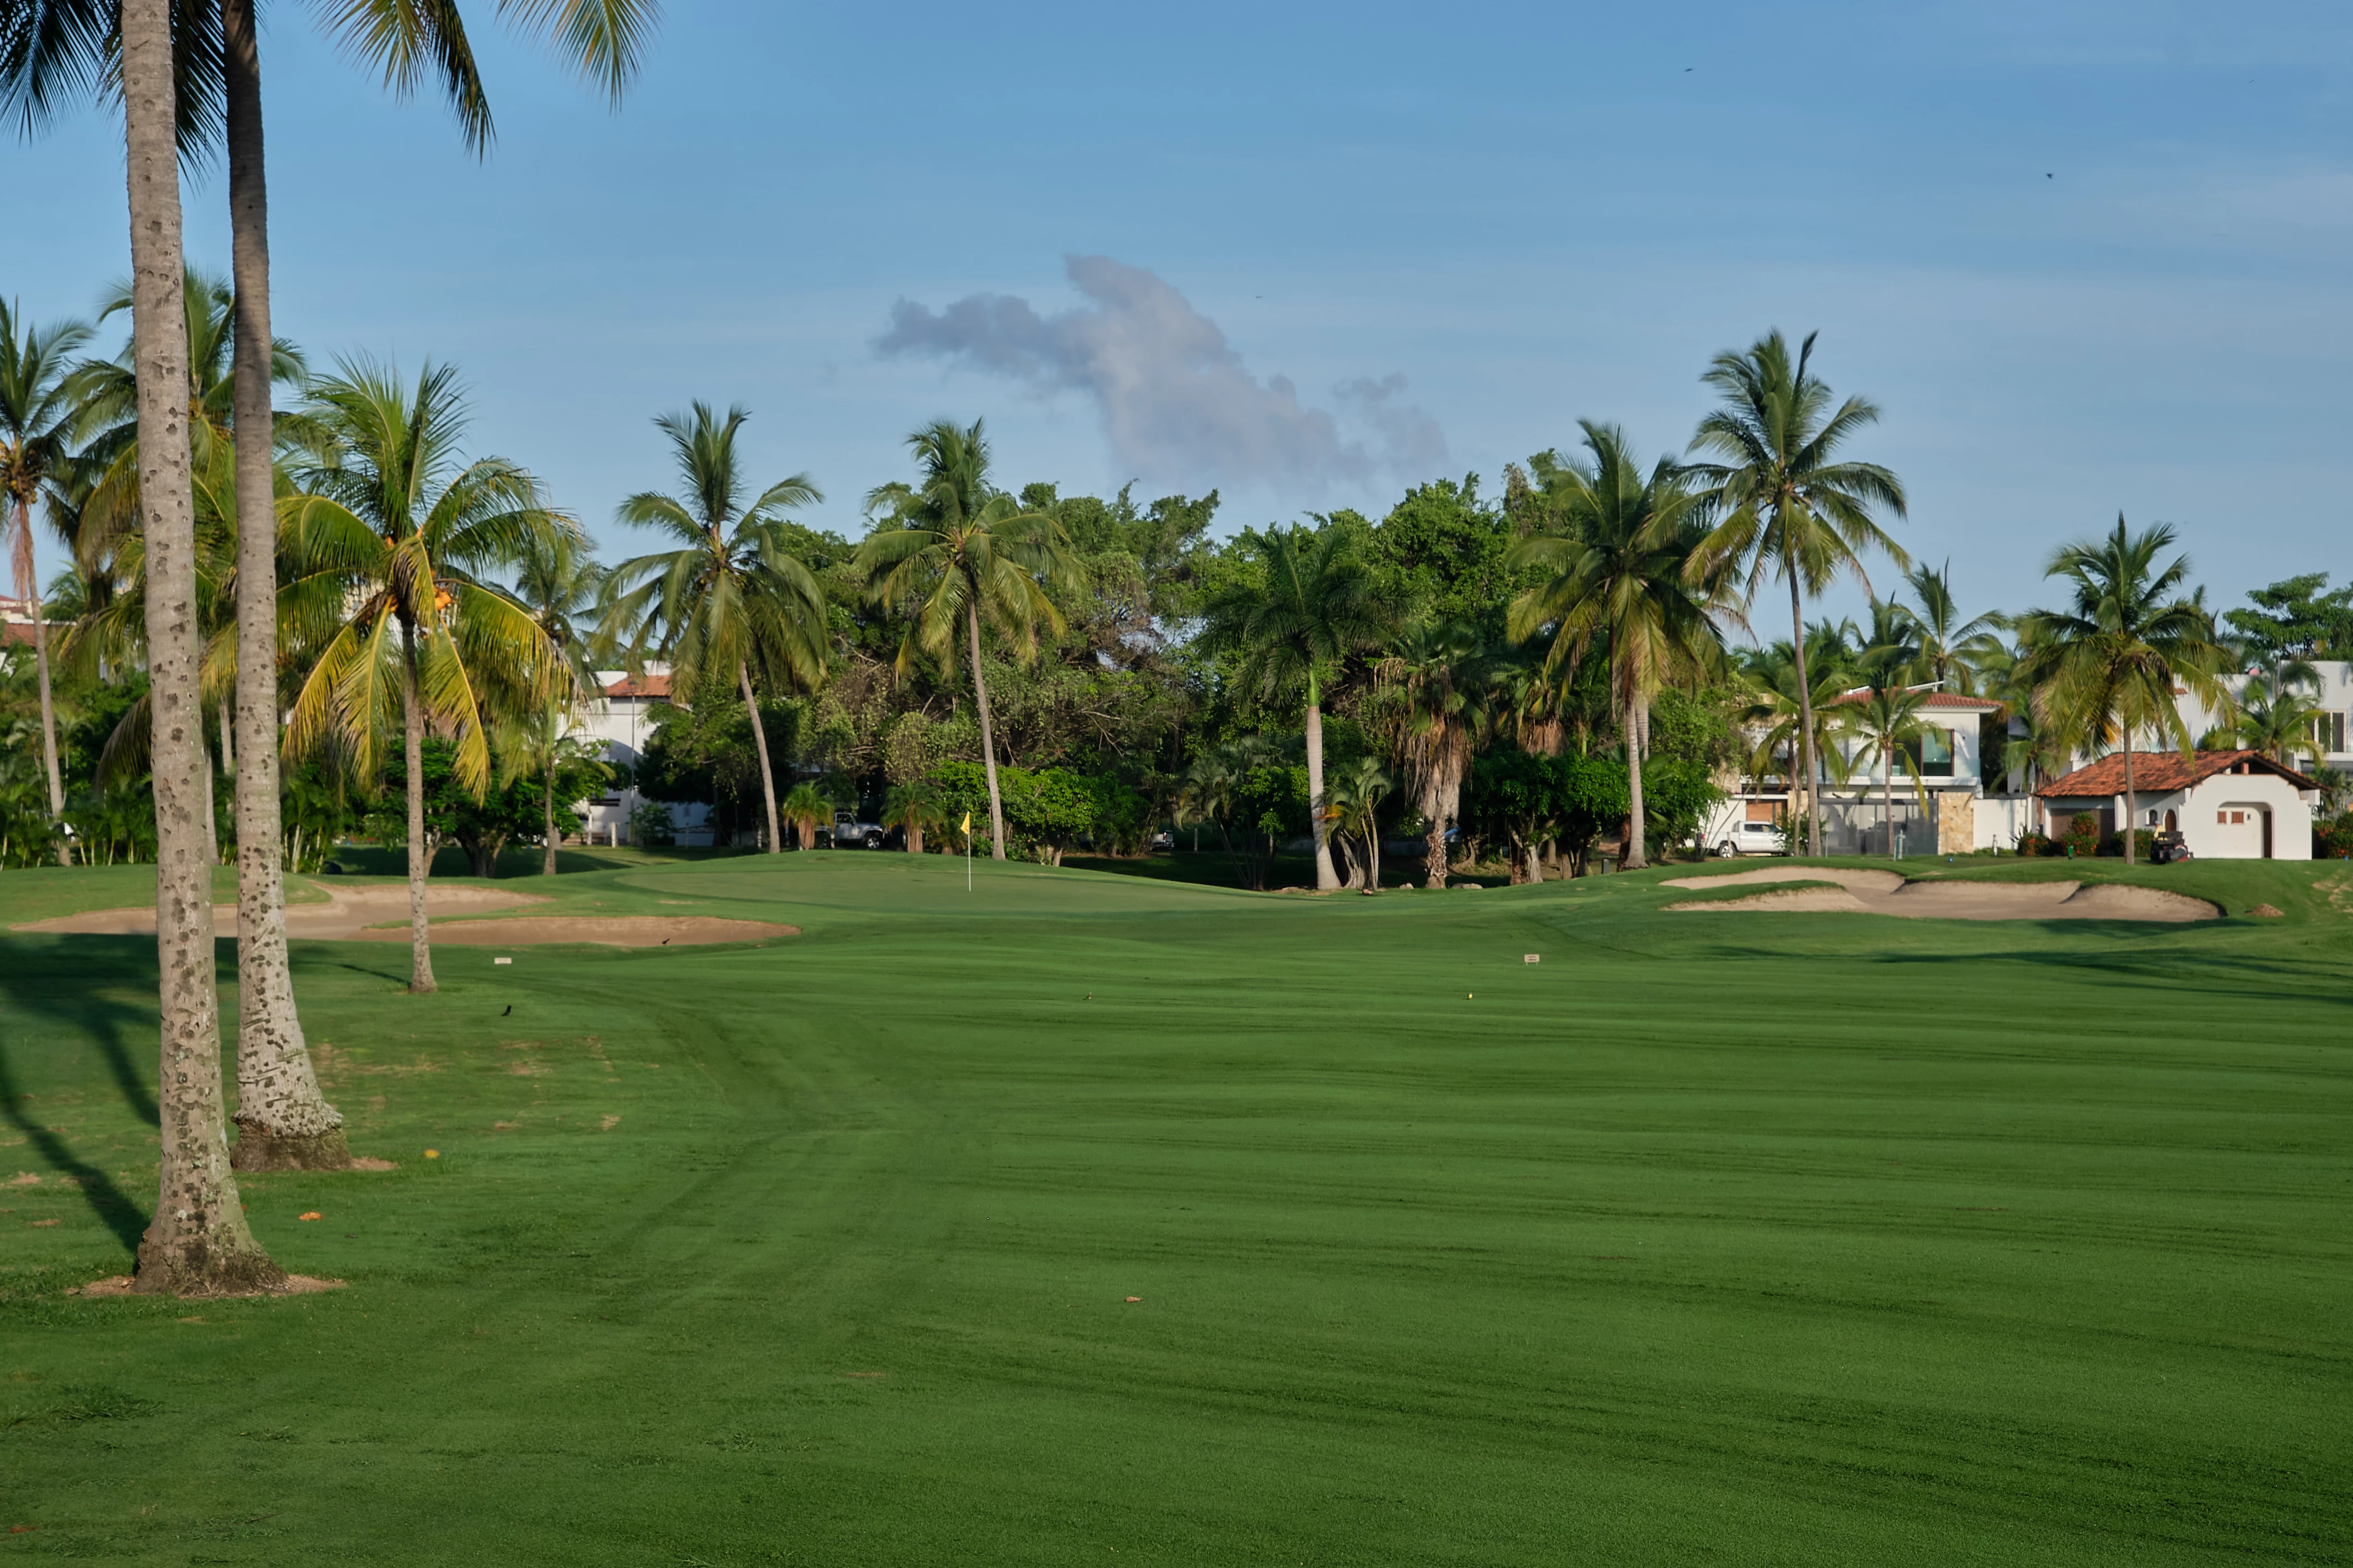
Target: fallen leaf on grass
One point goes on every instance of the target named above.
(37, 1224)
(312, 1215)
(1135, 1298)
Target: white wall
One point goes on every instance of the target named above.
(625, 724)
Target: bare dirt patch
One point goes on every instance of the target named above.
(295, 1285)
(380, 913)
(346, 914)
(1885, 893)
(605, 931)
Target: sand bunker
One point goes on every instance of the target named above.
(1885, 893)
(345, 916)
(608, 930)
(379, 912)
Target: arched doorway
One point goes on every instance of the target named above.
(2172, 822)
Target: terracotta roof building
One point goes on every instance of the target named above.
(2227, 806)
(640, 686)
(2162, 772)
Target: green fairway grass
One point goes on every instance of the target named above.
(1770, 1238)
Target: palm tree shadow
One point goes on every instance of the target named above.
(66, 992)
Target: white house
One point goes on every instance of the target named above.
(622, 716)
(2227, 806)
(1947, 760)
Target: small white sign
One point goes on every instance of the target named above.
(1524, 958)
(511, 961)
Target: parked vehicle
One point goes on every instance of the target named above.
(849, 832)
(1733, 831)
(2170, 848)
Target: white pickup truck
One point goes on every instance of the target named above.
(1732, 831)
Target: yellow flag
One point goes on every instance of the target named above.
(967, 822)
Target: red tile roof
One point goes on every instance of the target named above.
(639, 686)
(2162, 772)
(1929, 699)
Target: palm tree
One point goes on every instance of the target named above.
(962, 550)
(559, 582)
(2108, 664)
(1788, 507)
(1357, 794)
(805, 805)
(1950, 649)
(50, 48)
(732, 597)
(198, 1242)
(1888, 721)
(915, 808)
(1778, 713)
(1436, 681)
(1298, 623)
(36, 413)
(1621, 573)
(2273, 715)
(540, 741)
(384, 547)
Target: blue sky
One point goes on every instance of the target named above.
(2088, 256)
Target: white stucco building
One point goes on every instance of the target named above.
(622, 717)
(2227, 806)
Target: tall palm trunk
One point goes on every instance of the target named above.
(1887, 798)
(198, 1242)
(420, 856)
(547, 819)
(1805, 719)
(1633, 860)
(760, 744)
(1325, 879)
(2132, 808)
(283, 1121)
(987, 734)
(28, 584)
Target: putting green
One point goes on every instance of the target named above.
(1811, 1238)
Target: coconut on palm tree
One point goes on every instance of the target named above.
(37, 411)
(386, 545)
(955, 552)
(1620, 575)
(1306, 611)
(1789, 507)
(730, 601)
(2106, 666)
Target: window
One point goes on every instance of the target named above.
(1932, 754)
(1762, 810)
(2330, 733)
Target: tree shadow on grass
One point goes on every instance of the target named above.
(66, 991)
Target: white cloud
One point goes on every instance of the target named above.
(1177, 402)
